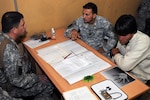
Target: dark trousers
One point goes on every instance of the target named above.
(148, 83)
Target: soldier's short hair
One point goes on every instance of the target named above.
(9, 20)
(92, 6)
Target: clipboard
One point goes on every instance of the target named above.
(107, 90)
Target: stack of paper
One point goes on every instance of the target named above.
(72, 61)
(82, 93)
(35, 43)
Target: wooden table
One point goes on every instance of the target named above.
(132, 89)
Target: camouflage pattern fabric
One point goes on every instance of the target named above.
(96, 34)
(18, 70)
(143, 14)
(5, 96)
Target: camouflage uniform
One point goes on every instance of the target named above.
(18, 71)
(5, 96)
(95, 34)
(143, 14)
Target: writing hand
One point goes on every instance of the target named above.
(74, 35)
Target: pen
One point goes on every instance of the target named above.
(67, 55)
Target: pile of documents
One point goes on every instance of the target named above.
(72, 61)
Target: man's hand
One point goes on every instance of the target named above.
(74, 35)
(115, 51)
(43, 78)
(101, 50)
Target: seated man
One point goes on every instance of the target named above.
(133, 49)
(94, 30)
(17, 76)
(5, 96)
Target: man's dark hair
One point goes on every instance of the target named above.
(126, 24)
(92, 6)
(9, 20)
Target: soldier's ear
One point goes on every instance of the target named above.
(94, 15)
(14, 30)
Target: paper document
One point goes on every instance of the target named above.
(72, 61)
(82, 93)
(75, 68)
(58, 52)
(35, 43)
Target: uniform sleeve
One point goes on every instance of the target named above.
(134, 56)
(5, 96)
(73, 25)
(110, 37)
(16, 78)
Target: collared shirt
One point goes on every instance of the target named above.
(95, 35)
(135, 56)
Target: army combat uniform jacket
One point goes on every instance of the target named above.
(95, 35)
(5, 96)
(17, 70)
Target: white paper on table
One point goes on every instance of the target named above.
(75, 68)
(78, 64)
(82, 93)
(53, 54)
(57, 52)
(35, 43)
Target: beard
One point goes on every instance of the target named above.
(91, 21)
(21, 37)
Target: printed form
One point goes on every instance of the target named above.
(72, 61)
(82, 93)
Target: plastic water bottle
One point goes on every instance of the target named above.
(53, 33)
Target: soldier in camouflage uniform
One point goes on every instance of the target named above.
(143, 14)
(93, 29)
(5, 96)
(17, 76)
